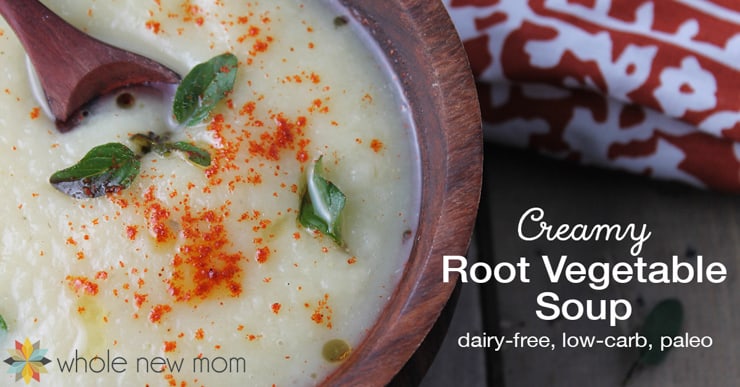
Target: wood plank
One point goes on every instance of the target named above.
(684, 221)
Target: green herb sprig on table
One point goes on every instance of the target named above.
(3, 329)
(113, 167)
(664, 320)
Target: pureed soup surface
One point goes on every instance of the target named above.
(114, 287)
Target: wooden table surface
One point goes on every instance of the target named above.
(683, 221)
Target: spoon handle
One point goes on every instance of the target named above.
(73, 67)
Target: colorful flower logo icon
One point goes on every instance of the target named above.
(27, 361)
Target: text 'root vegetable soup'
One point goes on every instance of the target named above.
(245, 229)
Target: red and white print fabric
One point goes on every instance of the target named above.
(648, 86)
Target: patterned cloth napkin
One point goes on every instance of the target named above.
(647, 86)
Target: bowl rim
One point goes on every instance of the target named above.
(418, 37)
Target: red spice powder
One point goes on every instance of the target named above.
(248, 108)
(315, 105)
(263, 224)
(286, 135)
(262, 254)
(123, 203)
(192, 12)
(302, 153)
(203, 265)
(170, 346)
(81, 283)
(153, 26)
(259, 46)
(170, 379)
(132, 231)
(139, 299)
(317, 317)
(254, 177)
(225, 153)
(158, 311)
(376, 145)
(275, 307)
(322, 313)
(157, 221)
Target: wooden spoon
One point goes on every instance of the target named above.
(73, 67)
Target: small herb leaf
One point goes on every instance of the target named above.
(665, 319)
(193, 153)
(106, 168)
(3, 329)
(203, 87)
(322, 204)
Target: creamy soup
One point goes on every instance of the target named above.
(203, 275)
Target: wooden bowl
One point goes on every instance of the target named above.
(420, 41)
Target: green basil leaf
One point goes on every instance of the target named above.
(193, 153)
(322, 204)
(3, 329)
(203, 87)
(665, 319)
(106, 168)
